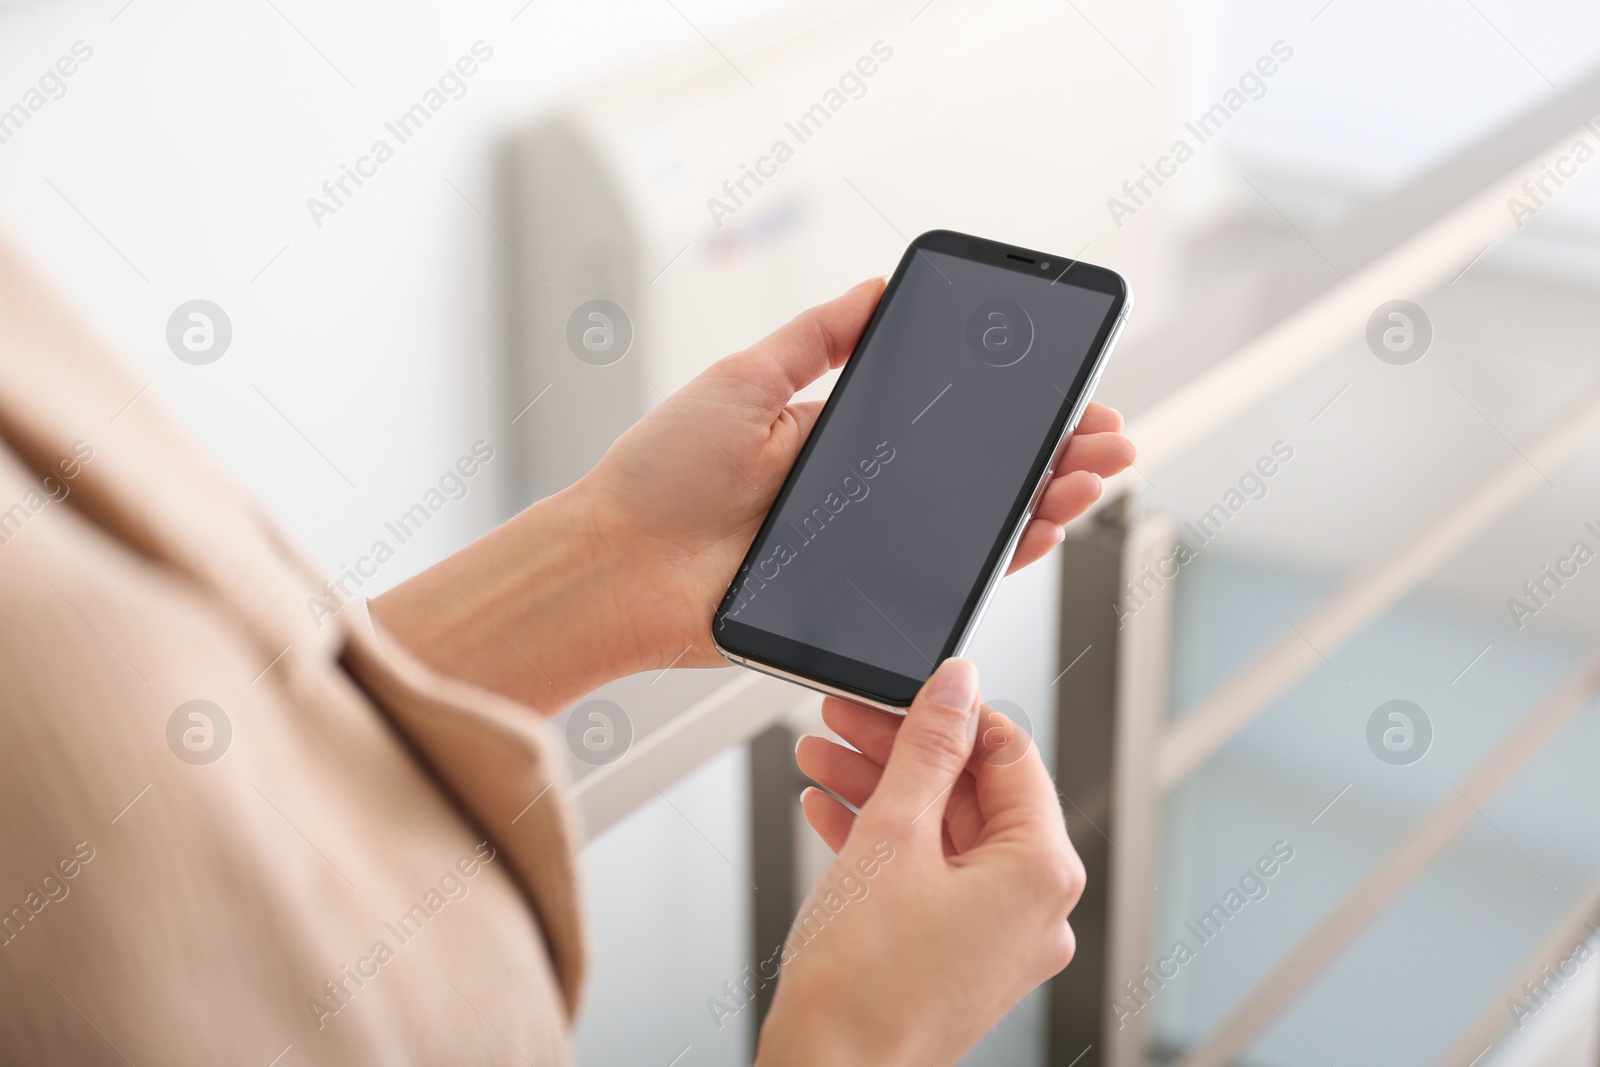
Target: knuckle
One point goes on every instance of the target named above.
(1063, 876)
(1058, 877)
(1077, 878)
(1063, 948)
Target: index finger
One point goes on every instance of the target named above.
(1098, 418)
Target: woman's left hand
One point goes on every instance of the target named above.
(622, 571)
(683, 492)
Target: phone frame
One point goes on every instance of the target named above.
(856, 680)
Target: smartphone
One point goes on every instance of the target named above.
(906, 503)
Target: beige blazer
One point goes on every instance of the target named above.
(378, 868)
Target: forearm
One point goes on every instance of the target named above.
(526, 610)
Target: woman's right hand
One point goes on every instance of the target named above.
(948, 900)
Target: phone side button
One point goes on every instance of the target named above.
(1088, 390)
(1038, 494)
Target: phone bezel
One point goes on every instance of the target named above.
(857, 680)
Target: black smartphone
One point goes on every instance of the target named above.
(902, 511)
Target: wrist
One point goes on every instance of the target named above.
(530, 610)
(833, 1026)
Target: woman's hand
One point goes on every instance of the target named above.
(622, 572)
(949, 898)
(682, 494)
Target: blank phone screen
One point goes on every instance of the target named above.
(885, 533)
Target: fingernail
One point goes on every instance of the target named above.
(798, 741)
(954, 684)
(806, 790)
(869, 281)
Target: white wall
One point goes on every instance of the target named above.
(191, 141)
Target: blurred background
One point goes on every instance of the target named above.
(1365, 242)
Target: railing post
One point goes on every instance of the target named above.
(775, 787)
(1111, 708)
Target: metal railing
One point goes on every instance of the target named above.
(1283, 322)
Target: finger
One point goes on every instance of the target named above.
(805, 416)
(810, 344)
(841, 771)
(1103, 453)
(830, 819)
(930, 751)
(963, 818)
(1098, 418)
(870, 731)
(1035, 543)
(1068, 496)
(1014, 791)
(999, 742)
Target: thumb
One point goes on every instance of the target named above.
(930, 751)
(808, 346)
